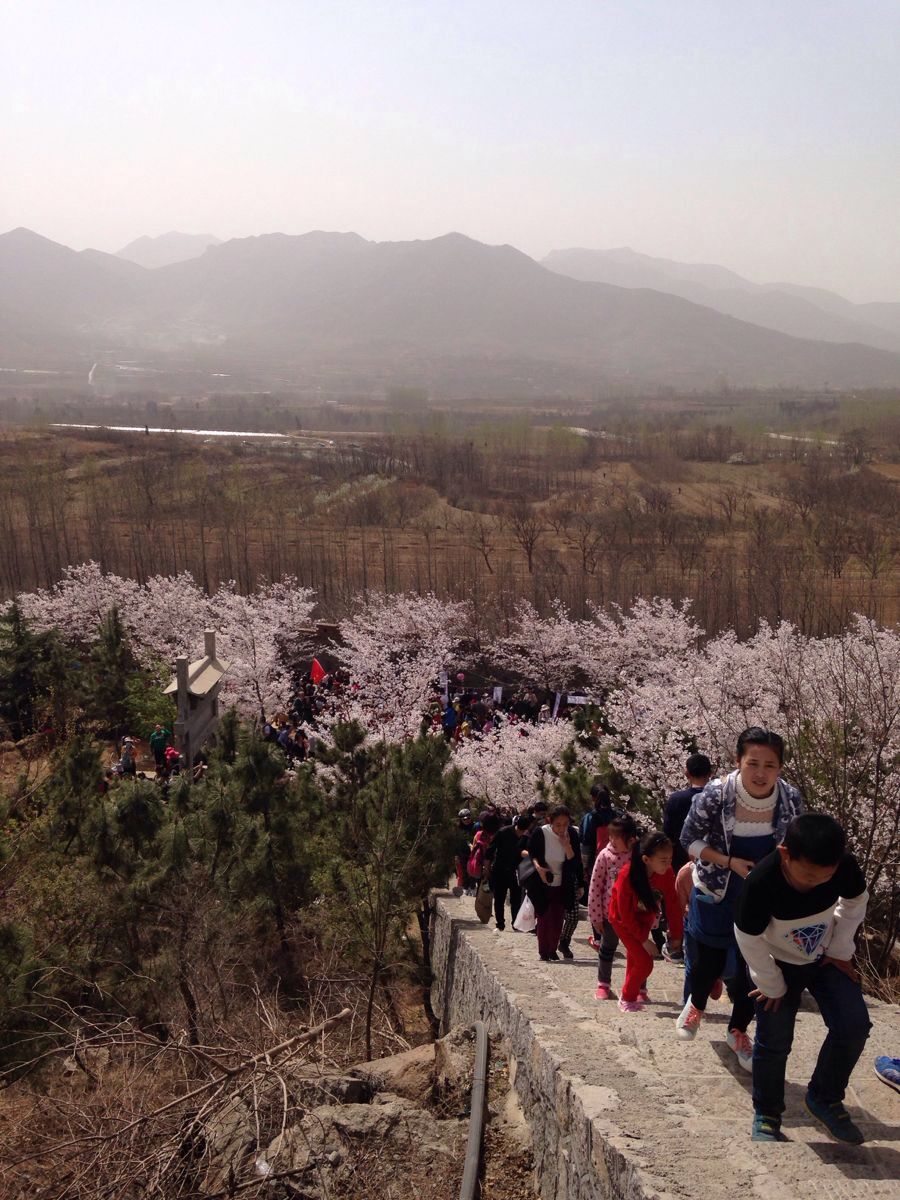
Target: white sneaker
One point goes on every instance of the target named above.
(742, 1046)
(688, 1022)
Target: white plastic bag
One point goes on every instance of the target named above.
(525, 919)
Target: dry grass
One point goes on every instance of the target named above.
(130, 1116)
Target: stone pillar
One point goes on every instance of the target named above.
(182, 725)
(181, 677)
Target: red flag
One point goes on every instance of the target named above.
(317, 672)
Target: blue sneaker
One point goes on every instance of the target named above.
(836, 1120)
(767, 1129)
(888, 1071)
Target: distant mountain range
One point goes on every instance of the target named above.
(168, 248)
(449, 313)
(787, 307)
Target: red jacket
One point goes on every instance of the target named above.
(628, 916)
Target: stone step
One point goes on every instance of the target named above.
(619, 1107)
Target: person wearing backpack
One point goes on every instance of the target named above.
(504, 855)
(594, 828)
(478, 866)
(698, 772)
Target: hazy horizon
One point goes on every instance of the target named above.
(759, 141)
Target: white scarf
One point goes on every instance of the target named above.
(756, 804)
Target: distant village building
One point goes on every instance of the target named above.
(196, 688)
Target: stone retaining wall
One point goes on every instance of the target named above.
(578, 1153)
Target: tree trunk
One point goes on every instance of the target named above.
(370, 1007)
(424, 917)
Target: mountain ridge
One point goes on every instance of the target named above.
(413, 309)
(794, 309)
(167, 248)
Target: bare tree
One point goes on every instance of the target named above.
(658, 499)
(728, 500)
(833, 537)
(479, 536)
(559, 514)
(527, 527)
(874, 548)
(586, 534)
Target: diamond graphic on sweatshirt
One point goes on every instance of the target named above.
(807, 937)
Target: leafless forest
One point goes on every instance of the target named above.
(746, 523)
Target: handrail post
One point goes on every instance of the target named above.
(469, 1186)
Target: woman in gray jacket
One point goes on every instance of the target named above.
(733, 823)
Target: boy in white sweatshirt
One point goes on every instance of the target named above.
(795, 924)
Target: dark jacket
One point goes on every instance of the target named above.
(573, 872)
(678, 806)
(592, 823)
(505, 853)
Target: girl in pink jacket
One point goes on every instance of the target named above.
(623, 833)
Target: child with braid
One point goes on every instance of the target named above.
(645, 886)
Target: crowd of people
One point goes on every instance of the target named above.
(741, 887)
(324, 696)
(467, 712)
(318, 701)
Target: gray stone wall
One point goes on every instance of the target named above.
(575, 1145)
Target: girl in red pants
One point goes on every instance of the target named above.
(644, 886)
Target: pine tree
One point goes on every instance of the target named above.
(30, 665)
(112, 666)
(72, 793)
(390, 815)
(273, 861)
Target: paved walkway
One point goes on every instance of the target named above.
(684, 1109)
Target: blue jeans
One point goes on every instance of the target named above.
(844, 1012)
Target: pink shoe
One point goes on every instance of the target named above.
(603, 992)
(630, 1006)
(644, 996)
(593, 943)
(742, 1046)
(688, 1022)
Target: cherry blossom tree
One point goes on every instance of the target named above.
(547, 651)
(505, 766)
(689, 699)
(638, 644)
(79, 602)
(258, 634)
(260, 637)
(558, 652)
(166, 617)
(394, 648)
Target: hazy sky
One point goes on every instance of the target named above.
(760, 134)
